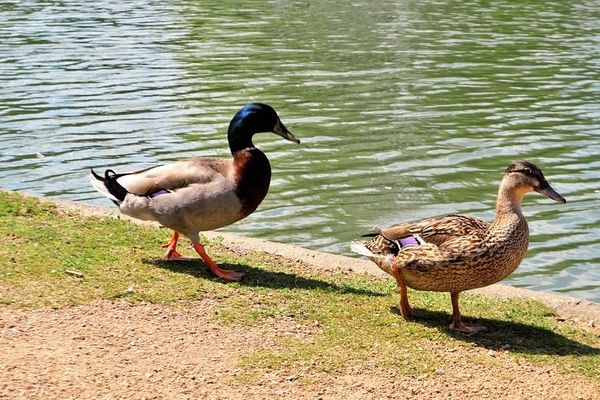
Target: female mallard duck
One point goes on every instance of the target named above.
(201, 193)
(456, 252)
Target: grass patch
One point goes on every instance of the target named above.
(341, 321)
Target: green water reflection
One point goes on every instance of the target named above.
(405, 109)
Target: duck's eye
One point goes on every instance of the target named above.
(520, 171)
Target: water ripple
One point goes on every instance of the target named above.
(405, 109)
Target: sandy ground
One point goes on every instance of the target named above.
(119, 350)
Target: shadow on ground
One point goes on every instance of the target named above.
(510, 336)
(256, 277)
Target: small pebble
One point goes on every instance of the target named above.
(72, 272)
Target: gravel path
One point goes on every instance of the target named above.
(118, 350)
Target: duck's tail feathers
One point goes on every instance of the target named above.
(378, 246)
(108, 185)
(373, 233)
(383, 260)
(360, 248)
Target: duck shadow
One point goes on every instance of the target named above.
(255, 277)
(515, 337)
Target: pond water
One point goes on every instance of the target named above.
(405, 109)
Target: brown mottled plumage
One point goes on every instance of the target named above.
(201, 193)
(460, 252)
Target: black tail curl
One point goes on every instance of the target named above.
(111, 184)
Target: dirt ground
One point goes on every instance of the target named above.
(119, 350)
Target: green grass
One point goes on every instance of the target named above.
(352, 319)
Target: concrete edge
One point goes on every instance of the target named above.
(566, 307)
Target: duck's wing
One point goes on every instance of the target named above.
(178, 175)
(437, 230)
(187, 196)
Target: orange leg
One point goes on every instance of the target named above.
(405, 309)
(457, 324)
(172, 253)
(226, 274)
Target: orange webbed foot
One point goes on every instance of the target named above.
(173, 255)
(226, 274)
(457, 324)
(470, 329)
(406, 311)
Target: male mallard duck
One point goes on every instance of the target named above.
(456, 252)
(201, 193)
